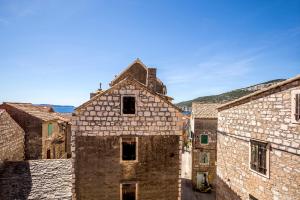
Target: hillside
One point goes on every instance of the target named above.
(229, 96)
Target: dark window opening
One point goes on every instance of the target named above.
(128, 191)
(128, 149)
(128, 105)
(297, 107)
(48, 154)
(252, 197)
(259, 157)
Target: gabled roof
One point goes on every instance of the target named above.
(39, 112)
(136, 61)
(129, 80)
(205, 110)
(257, 94)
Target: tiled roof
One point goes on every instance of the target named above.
(40, 112)
(1, 111)
(205, 110)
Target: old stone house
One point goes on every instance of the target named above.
(258, 146)
(46, 132)
(126, 141)
(204, 127)
(11, 138)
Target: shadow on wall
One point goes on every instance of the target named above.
(224, 192)
(15, 180)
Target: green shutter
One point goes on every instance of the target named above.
(204, 139)
(50, 129)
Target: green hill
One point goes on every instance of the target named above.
(229, 96)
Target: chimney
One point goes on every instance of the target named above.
(151, 84)
(92, 94)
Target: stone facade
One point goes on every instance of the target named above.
(204, 156)
(98, 129)
(264, 116)
(209, 127)
(11, 138)
(36, 179)
(34, 120)
(56, 145)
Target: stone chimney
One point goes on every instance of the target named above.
(92, 94)
(151, 79)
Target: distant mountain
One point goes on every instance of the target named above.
(231, 95)
(60, 108)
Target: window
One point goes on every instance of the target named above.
(204, 158)
(252, 197)
(129, 149)
(128, 191)
(296, 106)
(258, 160)
(128, 105)
(50, 130)
(204, 139)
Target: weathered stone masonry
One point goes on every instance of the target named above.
(266, 116)
(11, 138)
(96, 133)
(36, 179)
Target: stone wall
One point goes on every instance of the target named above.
(33, 131)
(11, 138)
(155, 118)
(100, 172)
(264, 118)
(36, 179)
(209, 127)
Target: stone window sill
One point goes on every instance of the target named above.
(260, 174)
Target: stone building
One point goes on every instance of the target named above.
(204, 127)
(46, 132)
(11, 138)
(126, 142)
(258, 146)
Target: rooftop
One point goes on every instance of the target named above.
(41, 112)
(205, 110)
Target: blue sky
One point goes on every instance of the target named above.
(57, 51)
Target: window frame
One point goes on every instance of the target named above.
(293, 106)
(136, 189)
(135, 104)
(267, 175)
(136, 150)
(201, 139)
(208, 158)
